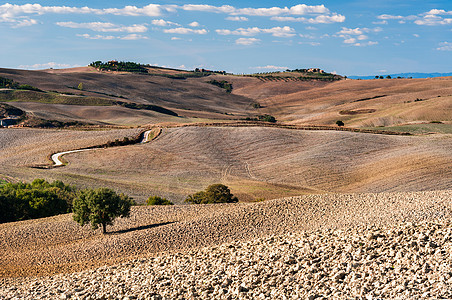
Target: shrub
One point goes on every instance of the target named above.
(222, 84)
(215, 193)
(156, 200)
(100, 207)
(39, 199)
(340, 123)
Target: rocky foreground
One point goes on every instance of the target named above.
(388, 245)
(405, 261)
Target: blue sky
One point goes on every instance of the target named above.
(347, 37)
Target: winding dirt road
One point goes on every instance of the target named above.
(56, 158)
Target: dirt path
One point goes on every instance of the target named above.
(56, 158)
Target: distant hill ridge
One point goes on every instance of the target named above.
(404, 75)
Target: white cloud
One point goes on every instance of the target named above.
(416, 35)
(14, 10)
(247, 41)
(132, 36)
(430, 18)
(24, 22)
(175, 38)
(438, 12)
(382, 22)
(97, 37)
(390, 17)
(182, 30)
(323, 19)
(270, 67)
(350, 31)
(300, 9)
(445, 46)
(104, 27)
(285, 31)
(239, 19)
(369, 43)
(48, 65)
(194, 24)
(362, 37)
(163, 23)
(307, 36)
(351, 35)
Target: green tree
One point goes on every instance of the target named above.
(100, 207)
(80, 86)
(156, 200)
(215, 193)
(340, 123)
(39, 199)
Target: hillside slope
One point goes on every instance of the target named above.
(188, 97)
(359, 103)
(256, 162)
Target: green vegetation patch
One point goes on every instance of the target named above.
(119, 66)
(263, 118)
(6, 83)
(215, 193)
(52, 98)
(39, 199)
(222, 84)
(156, 200)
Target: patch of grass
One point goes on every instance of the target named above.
(51, 98)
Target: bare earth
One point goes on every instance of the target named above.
(358, 215)
(57, 244)
(256, 162)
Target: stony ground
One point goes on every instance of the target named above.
(389, 245)
(405, 261)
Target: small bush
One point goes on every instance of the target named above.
(156, 200)
(215, 193)
(222, 84)
(39, 199)
(340, 123)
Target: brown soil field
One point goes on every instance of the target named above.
(256, 162)
(384, 102)
(59, 245)
(186, 96)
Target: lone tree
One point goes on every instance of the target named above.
(100, 207)
(340, 123)
(215, 193)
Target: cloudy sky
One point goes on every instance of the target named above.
(348, 37)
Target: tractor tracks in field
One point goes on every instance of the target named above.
(153, 133)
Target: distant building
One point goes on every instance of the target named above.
(316, 70)
(7, 122)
